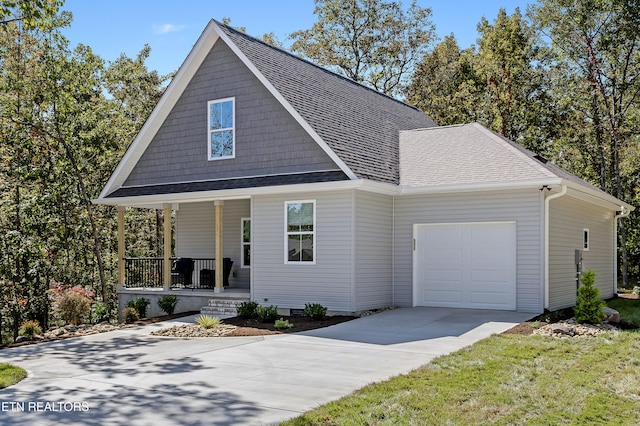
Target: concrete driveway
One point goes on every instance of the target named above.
(130, 377)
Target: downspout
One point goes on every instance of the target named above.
(547, 200)
(393, 250)
(621, 214)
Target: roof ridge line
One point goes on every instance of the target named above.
(308, 61)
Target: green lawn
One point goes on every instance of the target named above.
(505, 379)
(629, 309)
(10, 374)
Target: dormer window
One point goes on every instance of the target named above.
(222, 135)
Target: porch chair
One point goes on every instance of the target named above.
(208, 276)
(182, 271)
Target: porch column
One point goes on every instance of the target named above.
(166, 221)
(219, 288)
(121, 277)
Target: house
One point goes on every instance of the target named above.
(321, 190)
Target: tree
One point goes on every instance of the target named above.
(502, 83)
(372, 42)
(445, 85)
(33, 13)
(599, 41)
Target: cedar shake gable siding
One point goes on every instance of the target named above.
(268, 140)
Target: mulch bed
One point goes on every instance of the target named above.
(525, 328)
(253, 327)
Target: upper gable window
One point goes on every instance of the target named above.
(222, 135)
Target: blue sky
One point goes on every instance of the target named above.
(171, 27)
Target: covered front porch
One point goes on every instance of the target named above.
(206, 254)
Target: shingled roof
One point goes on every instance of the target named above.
(359, 124)
(470, 154)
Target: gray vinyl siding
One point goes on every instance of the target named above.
(329, 281)
(268, 139)
(373, 251)
(195, 234)
(567, 218)
(523, 207)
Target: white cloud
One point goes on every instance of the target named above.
(167, 28)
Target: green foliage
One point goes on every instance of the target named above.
(168, 303)
(315, 311)
(10, 375)
(130, 314)
(267, 313)
(100, 312)
(588, 307)
(373, 42)
(30, 329)
(66, 121)
(629, 309)
(207, 321)
(72, 305)
(282, 324)
(140, 304)
(247, 309)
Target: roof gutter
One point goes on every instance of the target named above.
(547, 201)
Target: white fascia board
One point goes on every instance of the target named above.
(290, 109)
(168, 100)
(227, 194)
(473, 187)
(597, 197)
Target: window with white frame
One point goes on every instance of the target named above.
(585, 239)
(300, 231)
(245, 256)
(222, 135)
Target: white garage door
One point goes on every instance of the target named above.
(465, 265)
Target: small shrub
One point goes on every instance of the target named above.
(588, 307)
(100, 312)
(315, 311)
(206, 321)
(282, 324)
(130, 314)
(140, 304)
(168, 303)
(268, 313)
(30, 329)
(70, 304)
(247, 309)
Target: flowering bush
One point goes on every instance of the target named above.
(70, 304)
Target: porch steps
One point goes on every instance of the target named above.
(224, 306)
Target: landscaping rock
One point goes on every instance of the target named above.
(611, 315)
(560, 328)
(570, 329)
(194, 330)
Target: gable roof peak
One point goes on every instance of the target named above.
(309, 62)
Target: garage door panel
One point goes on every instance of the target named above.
(437, 256)
(465, 265)
(488, 278)
(488, 300)
(486, 257)
(444, 296)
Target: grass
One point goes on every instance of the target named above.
(505, 379)
(629, 309)
(10, 375)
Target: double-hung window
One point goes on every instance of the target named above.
(222, 134)
(300, 232)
